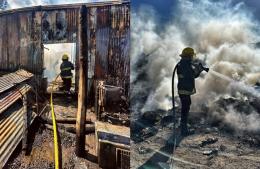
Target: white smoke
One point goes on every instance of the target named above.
(221, 33)
(52, 59)
(242, 121)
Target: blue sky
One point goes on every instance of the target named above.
(25, 3)
(165, 8)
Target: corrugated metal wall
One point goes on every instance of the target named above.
(60, 26)
(11, 132)
(12, 117)
(22, 35)
(23, 32)
(20, 45)
(109, 44)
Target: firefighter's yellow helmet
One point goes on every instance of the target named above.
(65, 57)
(187, 52)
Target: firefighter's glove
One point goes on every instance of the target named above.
(201, 67)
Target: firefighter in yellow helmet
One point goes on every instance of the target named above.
(187, 71)
(66, 74)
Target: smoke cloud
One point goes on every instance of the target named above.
(222, 35)
(52, 59)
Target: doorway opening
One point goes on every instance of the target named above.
(52, 61)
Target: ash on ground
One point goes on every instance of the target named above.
(41, 156)
(213, 144)
(40, 152)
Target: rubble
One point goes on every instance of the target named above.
(151, 117)
(209, 147)
(211, 129)
(222, 147)
(143, 150)
(252, 141)
(166, 120)
(41, 155)
(116, 118)
(208, 141)
(210, 152)
(148, 132)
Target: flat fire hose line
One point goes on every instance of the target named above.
(173, 115)
(55, 132)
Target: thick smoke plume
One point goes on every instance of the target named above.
(52, 58)
(222, 35)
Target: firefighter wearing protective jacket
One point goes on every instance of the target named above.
(187, 71)
(66, 74)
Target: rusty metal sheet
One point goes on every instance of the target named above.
(11, 132)
(3, 46)
(25, 38)
(20, 41)
(119, 58)
(59, 26)
(10, 80)
(12, 122)
(35, 51)
(10, 98)
(99, 33)
(109, 34)
(12, 40)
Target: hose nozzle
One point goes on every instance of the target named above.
(203, 68)
(206, 69)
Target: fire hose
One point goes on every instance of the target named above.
(55, 131)
(173, 108)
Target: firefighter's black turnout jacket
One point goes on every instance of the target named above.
(187, 71)
(66, 68)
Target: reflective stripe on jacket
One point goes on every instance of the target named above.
(66, 77)
(66, 68)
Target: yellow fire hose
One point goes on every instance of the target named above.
(55, 131)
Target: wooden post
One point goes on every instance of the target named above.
(26, 123)
(83, 75)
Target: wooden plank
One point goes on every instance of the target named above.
(82, 95)
(113, 129)
(118, 136)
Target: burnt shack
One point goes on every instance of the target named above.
(101, 34)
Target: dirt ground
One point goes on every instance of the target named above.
(228, 151)
(40, 153)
